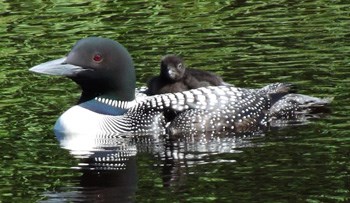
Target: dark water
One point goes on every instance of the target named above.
(248, 43)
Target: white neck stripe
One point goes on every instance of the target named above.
(116, 103)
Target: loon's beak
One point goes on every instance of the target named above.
(57, 67)
(171, 71)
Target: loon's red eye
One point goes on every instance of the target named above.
(97, 58)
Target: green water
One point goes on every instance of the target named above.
(248, 43)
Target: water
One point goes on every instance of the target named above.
(248, 43)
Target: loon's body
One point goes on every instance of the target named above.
(218, 108)
(104, 70)
(175, 77)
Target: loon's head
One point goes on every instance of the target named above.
(172, 67)
(100, 66)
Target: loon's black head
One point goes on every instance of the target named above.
(172, 67)
(100, 66)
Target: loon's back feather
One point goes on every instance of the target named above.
(293, 106)
(217, 106)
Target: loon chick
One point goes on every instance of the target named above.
(105, 72)
(175, 77)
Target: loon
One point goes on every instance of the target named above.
(104, 70)
(175, 77)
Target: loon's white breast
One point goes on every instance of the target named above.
(79, 119)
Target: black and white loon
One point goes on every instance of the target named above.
(105, 72)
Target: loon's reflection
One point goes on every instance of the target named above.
(108, 164)
(109, 183)
(108, 169)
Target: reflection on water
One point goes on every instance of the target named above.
(248, 43)
(102, 181)
(109, 169)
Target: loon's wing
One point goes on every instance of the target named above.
(206, 109)
(215, 105)
(202, 109)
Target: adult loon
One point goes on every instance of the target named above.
(105, 72)
(175, 77)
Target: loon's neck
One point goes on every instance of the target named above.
(106, 104)
(112, 95)
(87, 96)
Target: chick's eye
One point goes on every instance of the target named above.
(97, 58)
(179, 66)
